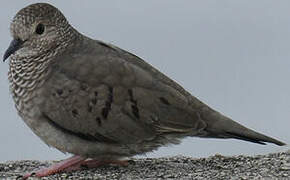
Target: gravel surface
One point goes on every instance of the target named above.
(271, 166)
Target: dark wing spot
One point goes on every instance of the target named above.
(98, 120)
(130, 92)
(75, 112)
(135, 111)
(164, 101)
(96, 93)
(134, 106)
(107, 108)
(110, 95)
(105, 112)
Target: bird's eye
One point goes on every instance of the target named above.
(39, 29)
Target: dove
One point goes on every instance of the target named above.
(97, 101)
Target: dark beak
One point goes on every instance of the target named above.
(13, 47)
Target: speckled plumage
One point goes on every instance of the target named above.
(96, 100)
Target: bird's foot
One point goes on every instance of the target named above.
(58, 167)
(73, 164)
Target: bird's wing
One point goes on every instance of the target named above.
(104, 93)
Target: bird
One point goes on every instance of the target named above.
(97, 101)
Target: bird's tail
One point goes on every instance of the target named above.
(220, 126)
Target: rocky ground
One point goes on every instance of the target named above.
(271, 166)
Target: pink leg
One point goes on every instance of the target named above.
(58, 167)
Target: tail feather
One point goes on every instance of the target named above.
(255, 139)
(220, 126)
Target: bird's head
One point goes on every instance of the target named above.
(37, 29)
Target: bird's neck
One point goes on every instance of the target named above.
(25, 76)
(29, 71)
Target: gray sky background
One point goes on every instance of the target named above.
(233, 55)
